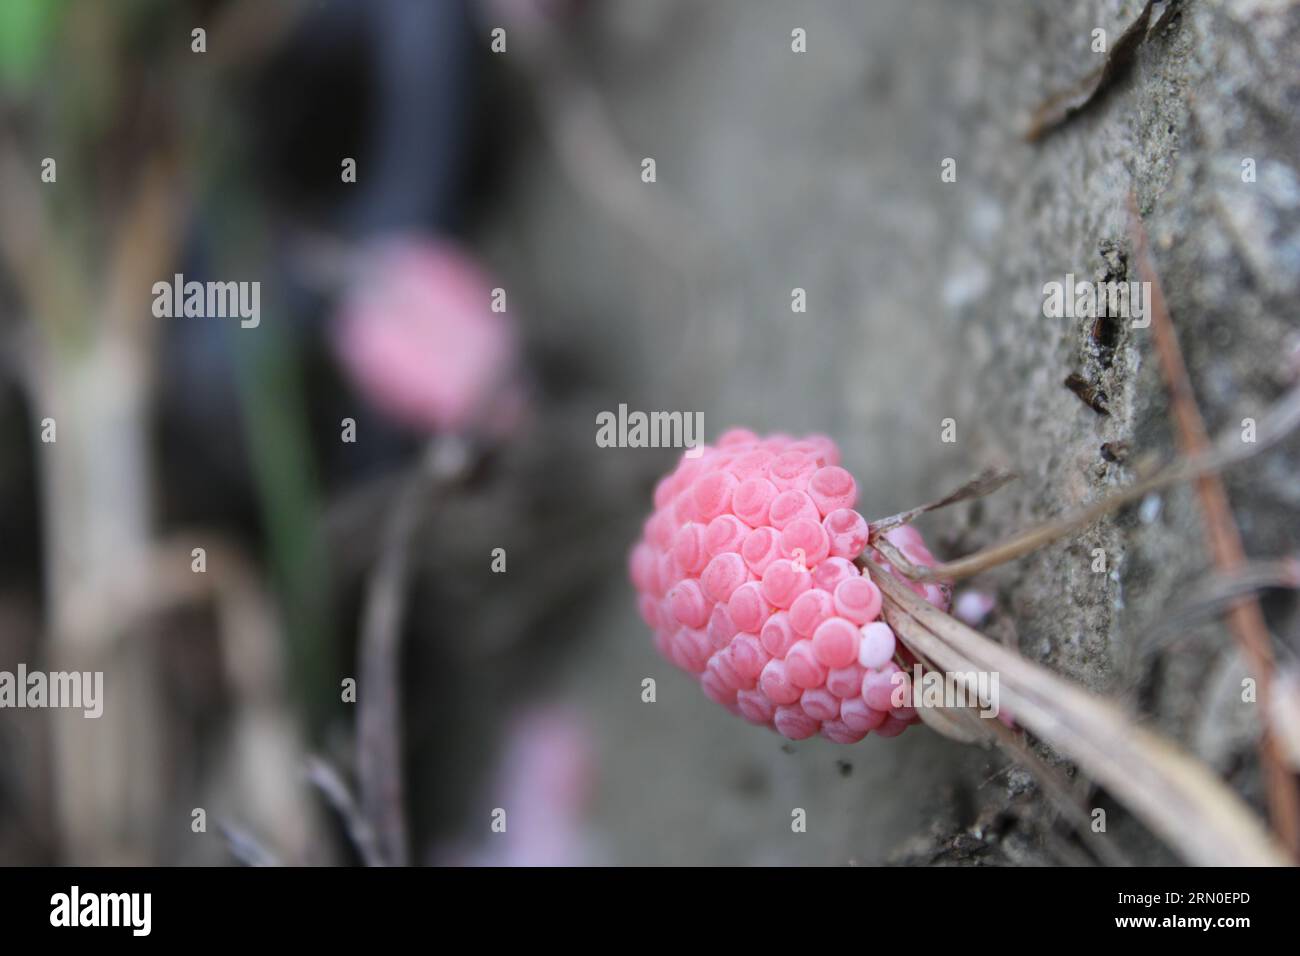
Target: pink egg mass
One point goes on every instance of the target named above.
(745, 573)
(418, 335)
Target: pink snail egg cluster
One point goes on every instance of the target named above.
(745, 572)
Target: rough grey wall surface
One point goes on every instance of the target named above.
(821, 171)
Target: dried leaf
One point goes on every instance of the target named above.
(955, 723)
(1174, 794)
(985, 483)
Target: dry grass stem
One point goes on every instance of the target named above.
(1174, 794)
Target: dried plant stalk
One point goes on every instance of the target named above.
(963, 724)
(1245, 618)
(379, 720)
(1174, 794)
(982, 484)
(1280, 420)
(327, 780)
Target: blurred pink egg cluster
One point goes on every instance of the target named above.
(419, 337)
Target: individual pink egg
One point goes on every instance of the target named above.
(782, 583)
(845, 681)
(803, 666)
(755, 706)
(832, 571)
(724, 533)
(793, 723)
(858, 599)
(748, 608)
(688, 548)
(877, 645)
(836, 642)
(880, 686)
(762, 546)
(791, 470)
(752, 500)
(721, 628)
(690, 608)
(837, 731)
(806, 539)
(820, 703)
(692, 649)
(809, 610)
(712, 494)
(831, 489)
(776, 683)
(789, 506)
(856, 714)
(778, 636)
(848, 532)
(723, 574)
(748, 658)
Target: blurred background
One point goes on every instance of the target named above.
(391, 477)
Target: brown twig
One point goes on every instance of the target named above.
(1244, 617)
(379, 724)
(1061, 107)
(985, 483)
(1280, 420)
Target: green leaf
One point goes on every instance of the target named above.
(27, 31)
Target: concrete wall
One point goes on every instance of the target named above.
(822, 171)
